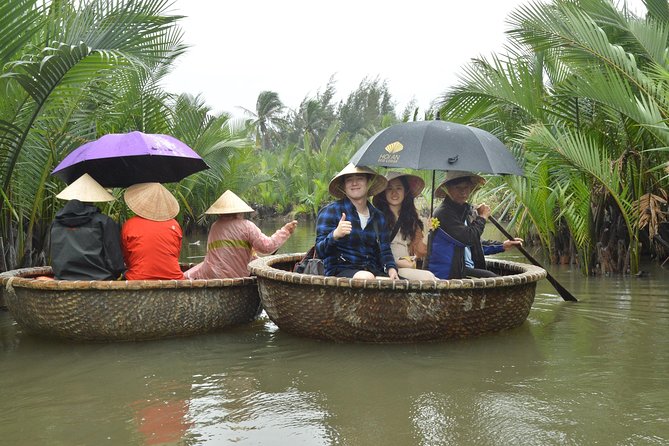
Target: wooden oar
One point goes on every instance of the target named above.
(566, 295)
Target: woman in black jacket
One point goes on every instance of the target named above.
(85, 244)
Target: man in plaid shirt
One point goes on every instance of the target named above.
(351, 234)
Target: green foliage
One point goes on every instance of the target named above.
(54, 74)
(582, 99)
(366, 107)
(311, 144)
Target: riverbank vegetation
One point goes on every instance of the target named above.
(581, 97)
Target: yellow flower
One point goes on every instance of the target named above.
(434, 224)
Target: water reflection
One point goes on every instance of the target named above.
(162, 421)
(588, 373)
(320, 393)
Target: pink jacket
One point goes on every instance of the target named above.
(230, 247)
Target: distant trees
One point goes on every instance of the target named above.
(312, 143)
(267, 119)
(367, 109)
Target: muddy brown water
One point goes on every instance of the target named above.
(595, 372)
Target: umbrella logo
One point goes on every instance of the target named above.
(392, 156)
(394, 147)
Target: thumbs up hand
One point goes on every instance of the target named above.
(343, 228)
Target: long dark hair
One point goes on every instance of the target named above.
(408, 219)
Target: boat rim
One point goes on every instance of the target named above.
(262, 267)
(16, 278)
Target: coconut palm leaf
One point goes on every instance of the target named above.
(537, 203)
(131, 32)
(658, 10)
(20, 21)
(488, 84)
(612, 92)
(581, 42)
(650, 39)
(586, 155)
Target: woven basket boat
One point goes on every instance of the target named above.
(130, 310)
(385, 311)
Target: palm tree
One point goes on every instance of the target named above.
(266, 119)
(63, 60)
(223, 144)
(582, 98)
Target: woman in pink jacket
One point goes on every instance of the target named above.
(233, 240)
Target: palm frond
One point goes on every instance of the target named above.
(20, 21)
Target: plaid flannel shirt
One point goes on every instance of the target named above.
(362, 249)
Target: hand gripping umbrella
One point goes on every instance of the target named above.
(124, 159)
(442, 145)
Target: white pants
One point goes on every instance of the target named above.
(415, 274)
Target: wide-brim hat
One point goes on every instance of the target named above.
(151, 201)
(376, 183)
(85, 189)
(452, 175)
(228, 203)
(416, 183)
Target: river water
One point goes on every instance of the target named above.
(594, 372)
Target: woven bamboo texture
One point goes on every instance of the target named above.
(388, 311)
(127, 310)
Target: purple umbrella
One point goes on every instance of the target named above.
(124, 159)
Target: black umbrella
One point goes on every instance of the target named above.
(442, 145)
(437, 145)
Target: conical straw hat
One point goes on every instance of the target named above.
(151, 201)
(376, 182)
(229, 203)
(451, 175)
(85, 189)
(416, 186)
(416, 183)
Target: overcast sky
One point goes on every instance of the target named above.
(240, 48)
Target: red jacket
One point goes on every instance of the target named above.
(151, 249)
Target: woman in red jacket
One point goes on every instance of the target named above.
(152, 239)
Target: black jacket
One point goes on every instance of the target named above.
(85, 244)
(451, 218)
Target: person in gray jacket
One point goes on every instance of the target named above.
(85, 244)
